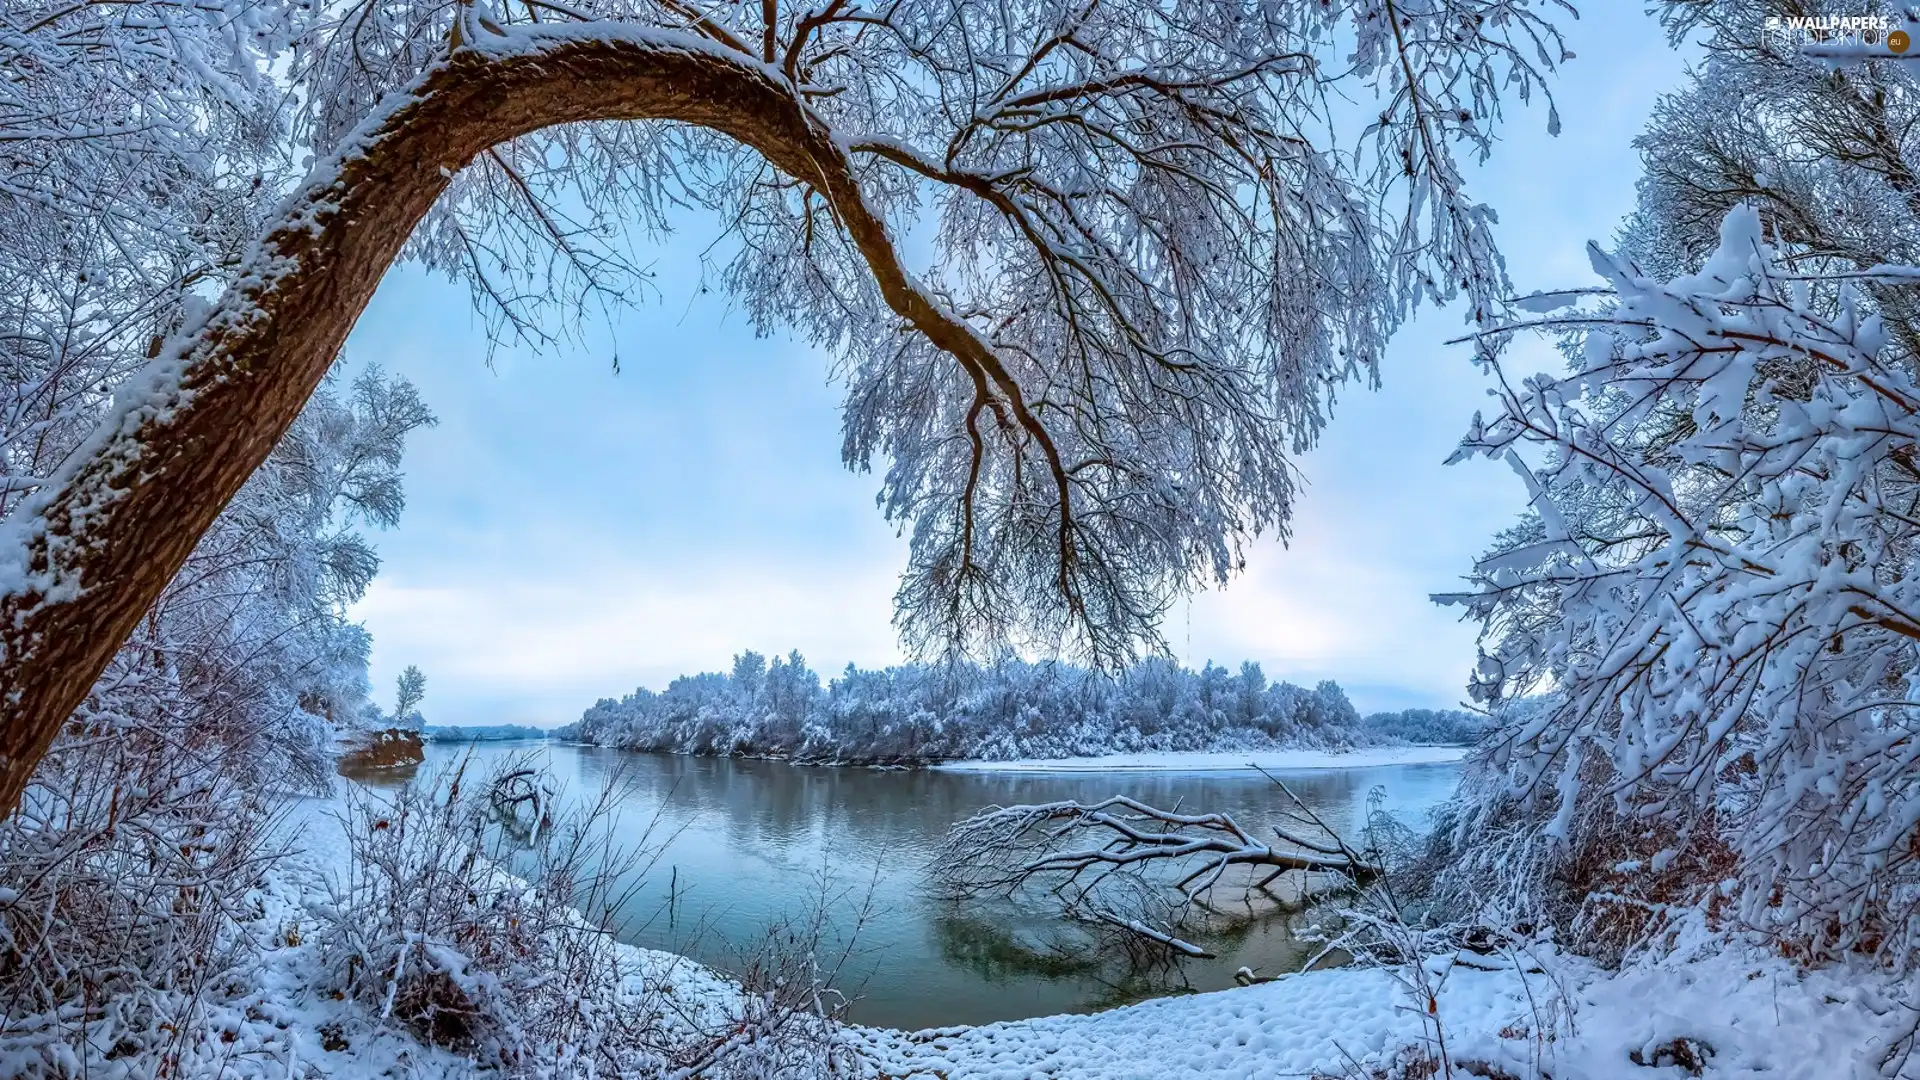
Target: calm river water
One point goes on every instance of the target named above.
(744, 844)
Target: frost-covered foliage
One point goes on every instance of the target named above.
(1718, 583)
(1011, 709)
(1715, 585)
(142, 151)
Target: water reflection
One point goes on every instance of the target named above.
(743, 844)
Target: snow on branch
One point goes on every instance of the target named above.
(1718, 584)
(1153, 257)
(1124, 864)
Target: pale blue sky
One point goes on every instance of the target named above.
(572, 533)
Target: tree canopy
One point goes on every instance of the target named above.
(1154, 250)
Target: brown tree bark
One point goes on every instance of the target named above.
(120, 517)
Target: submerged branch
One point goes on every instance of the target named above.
(1123, 864)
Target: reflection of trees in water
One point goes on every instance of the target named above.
(1008, 949)
(1007, 944)
(765, 802)
(997, 952)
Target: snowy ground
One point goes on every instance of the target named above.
(1760, 1018)
(276, 1019)
(1223, 760)
(1301, 1025)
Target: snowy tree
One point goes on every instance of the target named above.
(1153, 256)
(1714, 588)
(410, 689)
(1717, 585)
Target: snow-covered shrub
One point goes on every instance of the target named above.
(1490, 871)
(1718, 583)
(430, 928)
(126, 870)
(139, 837)
(479, 912)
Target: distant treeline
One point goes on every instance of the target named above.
(918, 713)
(1428, 727)
(480, 733)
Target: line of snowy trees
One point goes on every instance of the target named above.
(457, 733)
(1428, 727)
(1010, 709)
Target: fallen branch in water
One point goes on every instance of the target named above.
(1123, 864)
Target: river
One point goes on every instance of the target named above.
(740, 845)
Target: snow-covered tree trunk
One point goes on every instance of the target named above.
(89, 552)
(1147, 873)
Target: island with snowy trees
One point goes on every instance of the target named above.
(917, 714)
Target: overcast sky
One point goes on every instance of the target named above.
(572, 533)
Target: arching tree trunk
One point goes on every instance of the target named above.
(85, 557)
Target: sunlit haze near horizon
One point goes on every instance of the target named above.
(572, 532)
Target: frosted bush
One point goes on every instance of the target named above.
(1717, 583)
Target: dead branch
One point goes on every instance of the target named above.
(1123, 864)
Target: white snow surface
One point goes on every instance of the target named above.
(1223, 760)
(1761, 1018)
(1297, 1026)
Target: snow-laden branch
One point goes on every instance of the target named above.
(1718, 584)
(1125, 864)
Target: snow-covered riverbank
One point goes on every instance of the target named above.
(1224, 760)
(1745, 1015)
